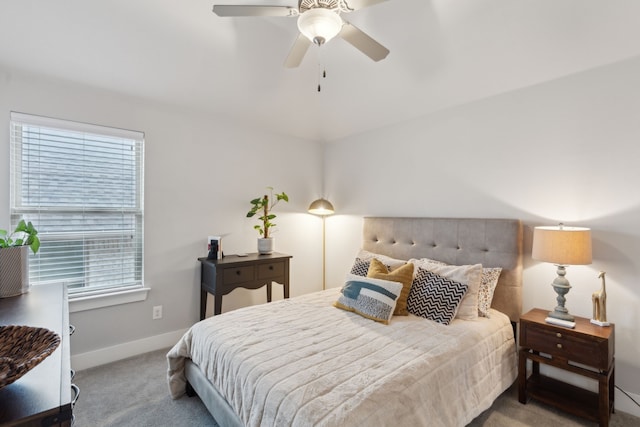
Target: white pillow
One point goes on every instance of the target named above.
(470, 275)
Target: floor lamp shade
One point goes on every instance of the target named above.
(562, 246)
(321, 207)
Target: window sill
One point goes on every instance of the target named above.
(106, 300)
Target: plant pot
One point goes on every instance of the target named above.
(265, 246)
(14, 271)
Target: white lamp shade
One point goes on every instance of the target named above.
(562, 245)
(321, 207)
(319, 25)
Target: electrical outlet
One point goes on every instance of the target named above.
(157, 312)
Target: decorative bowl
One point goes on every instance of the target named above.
(22, 348)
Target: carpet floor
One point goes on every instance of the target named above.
(134, 393)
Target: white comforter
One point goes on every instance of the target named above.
(303, 362)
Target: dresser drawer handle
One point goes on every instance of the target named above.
(76, 394)
(238, 272)
(559, 345)
(271, 267)
(559, 335)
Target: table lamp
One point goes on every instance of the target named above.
(323, 208)
(562, 246)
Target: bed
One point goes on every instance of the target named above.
(304, 362)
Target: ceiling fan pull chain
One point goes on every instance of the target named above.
(319, 67)
(322, 71)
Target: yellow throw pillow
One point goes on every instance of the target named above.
(403, 275)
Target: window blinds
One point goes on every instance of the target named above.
(81, 186)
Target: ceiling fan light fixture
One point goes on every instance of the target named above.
(319, 25)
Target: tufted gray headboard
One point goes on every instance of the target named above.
(458, 241)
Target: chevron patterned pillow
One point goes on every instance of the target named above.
(435, 297)
(361, 267)
(488, 283)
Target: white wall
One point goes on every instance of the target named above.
(566, 150)
(200, 173)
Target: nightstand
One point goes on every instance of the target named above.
(586, 350)
(221, 276)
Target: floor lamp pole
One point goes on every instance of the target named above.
(323, 208)
(323, 255)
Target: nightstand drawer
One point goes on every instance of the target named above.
(567, 344)
(267, 271)
(238, 275)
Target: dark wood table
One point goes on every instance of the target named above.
(253, 271)
(43, 396)
(587, 350)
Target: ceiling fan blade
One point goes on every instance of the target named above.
(239, 10)
(359, 4)
(297, 52)
(361, 41)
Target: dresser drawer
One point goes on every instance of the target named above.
(238, 275)
(566, 343)
(268, 271)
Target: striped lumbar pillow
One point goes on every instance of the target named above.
(374, 299)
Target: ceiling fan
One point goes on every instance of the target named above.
(318, 21)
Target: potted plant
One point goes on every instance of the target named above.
(263, 206)
(14, 258)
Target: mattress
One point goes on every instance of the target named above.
(302, 362)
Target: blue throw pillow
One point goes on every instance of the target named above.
(374, 299)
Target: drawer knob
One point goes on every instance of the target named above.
(559, 335)
(237, 272)
(271, 267)
(559, 345)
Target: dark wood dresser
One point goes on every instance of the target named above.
(587, 350)
(253, 271)
(43, 396)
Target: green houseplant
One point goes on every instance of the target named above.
(27, 235)
(263, 206)
(14, 258)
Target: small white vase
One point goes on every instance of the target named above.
(265, 246)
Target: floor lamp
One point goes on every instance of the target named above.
(323, 208)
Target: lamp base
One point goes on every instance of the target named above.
(560, 322)
(599, 323)
(561, 313)
(561, 286)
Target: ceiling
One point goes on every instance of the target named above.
(443, 53)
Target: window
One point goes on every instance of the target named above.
(81, 186)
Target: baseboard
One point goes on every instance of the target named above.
(624, 404)
(123, 351)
